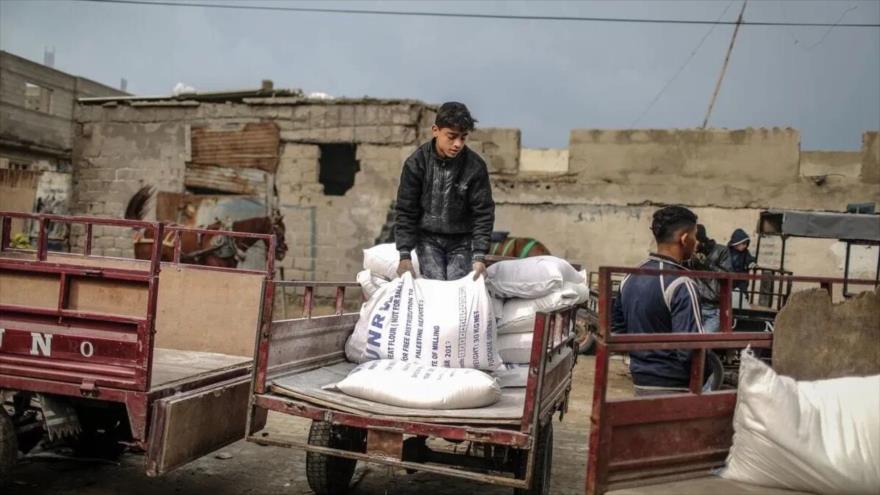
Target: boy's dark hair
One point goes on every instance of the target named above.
(669, 220)
(454, 115)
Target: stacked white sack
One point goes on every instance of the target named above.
(448, 324)
(530, 278)
(541, 284)
(382, 260)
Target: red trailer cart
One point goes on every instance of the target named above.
(90, 347)
(509, 443)
(672, 443)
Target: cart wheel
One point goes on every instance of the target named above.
(331, 475)
(584, 334)
(715, 371)
(8, 446)
(543, 464)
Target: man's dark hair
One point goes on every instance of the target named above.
(669, 220)
(454, 115)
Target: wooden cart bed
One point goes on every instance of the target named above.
(308, 386)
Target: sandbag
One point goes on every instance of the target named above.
(382, 260)
(420, 387)
(821, 436)
(434, 322)
(518, 315)
(530, 278)
(370, 283)
(515, 347)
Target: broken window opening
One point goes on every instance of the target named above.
(337, 167)
(37, 98)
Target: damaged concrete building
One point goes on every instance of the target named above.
(331, 167)
(37, 105)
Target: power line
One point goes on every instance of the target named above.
(275, 8)
(739, 21)
(680, 69)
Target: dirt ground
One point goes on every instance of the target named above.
(246, 468)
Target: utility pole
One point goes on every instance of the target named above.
(724, 67)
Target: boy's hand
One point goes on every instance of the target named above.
(405, 266)
(479, 269)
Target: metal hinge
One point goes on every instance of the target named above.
(88, 388)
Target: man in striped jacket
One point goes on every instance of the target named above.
(662, 303)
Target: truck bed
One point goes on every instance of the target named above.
(307, 386)
(172, 367)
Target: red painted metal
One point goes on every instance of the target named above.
(451, 432)
(725, 312)
(5, 233)
(340, 300)
(101, 356)
(70, 269)
(680, 433)
(552, 332)
(308, 301)
(536, 369)
(87, 250)
(698, 361)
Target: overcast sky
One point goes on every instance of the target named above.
(545, 77)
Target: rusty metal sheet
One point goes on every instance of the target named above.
(254, 146)
(385, 443)
(227, 179)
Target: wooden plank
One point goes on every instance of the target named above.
(236, 180)
(254, 146)
(115, 297)
(207, 310)
(190, 425)
(29, 289)
(172, 365)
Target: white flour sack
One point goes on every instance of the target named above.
(515, 347)
(530, 278)
(518, 315)
(438, 323)
(420, 387)
(382, 260)
(821, 436)
(370, 283)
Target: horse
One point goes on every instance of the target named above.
(206, 249)
(516, 247)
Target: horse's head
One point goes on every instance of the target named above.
(279, 230)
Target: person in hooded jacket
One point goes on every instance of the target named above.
(741, 260)
(710, 256)
(445, 209)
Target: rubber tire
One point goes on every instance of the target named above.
(543, 464)
(8, 447)
(331, 475)
(103, 430)
(715, 371)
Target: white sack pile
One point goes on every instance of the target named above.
(538, 284)
(420, 387)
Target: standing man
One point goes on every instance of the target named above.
(662, 304)
(710, 257)
(445, 209)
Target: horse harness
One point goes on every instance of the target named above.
(510, 244)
